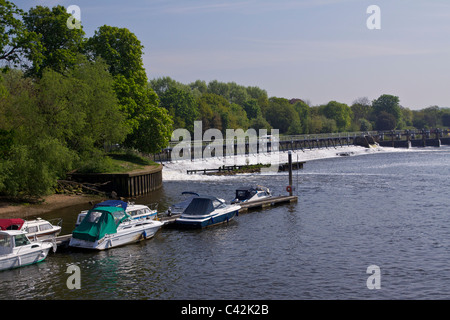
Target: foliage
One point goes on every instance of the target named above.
(59, 46)
(15, 40)
(281, 114)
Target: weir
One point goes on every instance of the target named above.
(393, 138)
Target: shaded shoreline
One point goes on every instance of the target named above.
(50, 203)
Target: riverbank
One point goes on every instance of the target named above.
(50, 203)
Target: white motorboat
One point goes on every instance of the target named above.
(109, 227)
(136, 211)
(16, 250)
(248, 194)
(37, 229)
(204, 211)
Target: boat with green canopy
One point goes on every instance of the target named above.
(109, 227)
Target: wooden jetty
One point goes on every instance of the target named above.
(229, 169)
(263, 203)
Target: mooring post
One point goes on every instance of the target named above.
(290, 171)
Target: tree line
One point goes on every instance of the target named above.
(224, 105)
(65, 97)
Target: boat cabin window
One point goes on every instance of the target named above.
(44, 227)
(21, 240)
(32, 229)
(94, 216)
(118, 216)
(5, 241)
(262, 194)
(5, 244)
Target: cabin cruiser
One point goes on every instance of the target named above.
(136, 211)
(37, 229)
(204, 211)
(108, 227)
(247, 194)
(16, 250)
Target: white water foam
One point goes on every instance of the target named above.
(177, 170)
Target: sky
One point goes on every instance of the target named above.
(315, 50)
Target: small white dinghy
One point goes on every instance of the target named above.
(16, 250)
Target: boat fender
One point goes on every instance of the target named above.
(289, 189)
(144, 234)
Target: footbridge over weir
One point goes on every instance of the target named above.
(392, 138)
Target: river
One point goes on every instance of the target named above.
(388, 209)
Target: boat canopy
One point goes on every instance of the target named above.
(183, 204)
(11, 224)
(98, 222)
(245, 193)
(112, 203)
(201, 206)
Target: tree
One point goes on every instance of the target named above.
(303, 112)
(252, 108)
(339, 112)
(122, 51)
(386, 121)
(281, 114)
(181, 106)
(61, 46)
(389, 104)
(15, 40)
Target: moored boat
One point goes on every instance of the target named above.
(135, 211)
(16, 250)
(109, 227)
(179, 207)
(205, 211)
(248, 194)
(37, 229)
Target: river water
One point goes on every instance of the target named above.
(388, 209)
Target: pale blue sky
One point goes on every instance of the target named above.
(314, 50)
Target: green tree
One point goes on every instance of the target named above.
(340, 113)
(281, 114)
(389, 104)
(122, 51)
(61, 46)
(181, 106)
(214, 111)
(303, 112)
(386, 121)
(252, 108)
(15, 40)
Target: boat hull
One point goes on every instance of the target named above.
(125, 236)
(14, 260)
(203, 222)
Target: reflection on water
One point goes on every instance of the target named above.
(387, 209)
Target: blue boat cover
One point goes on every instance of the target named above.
(112, 203)
(200, 207)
